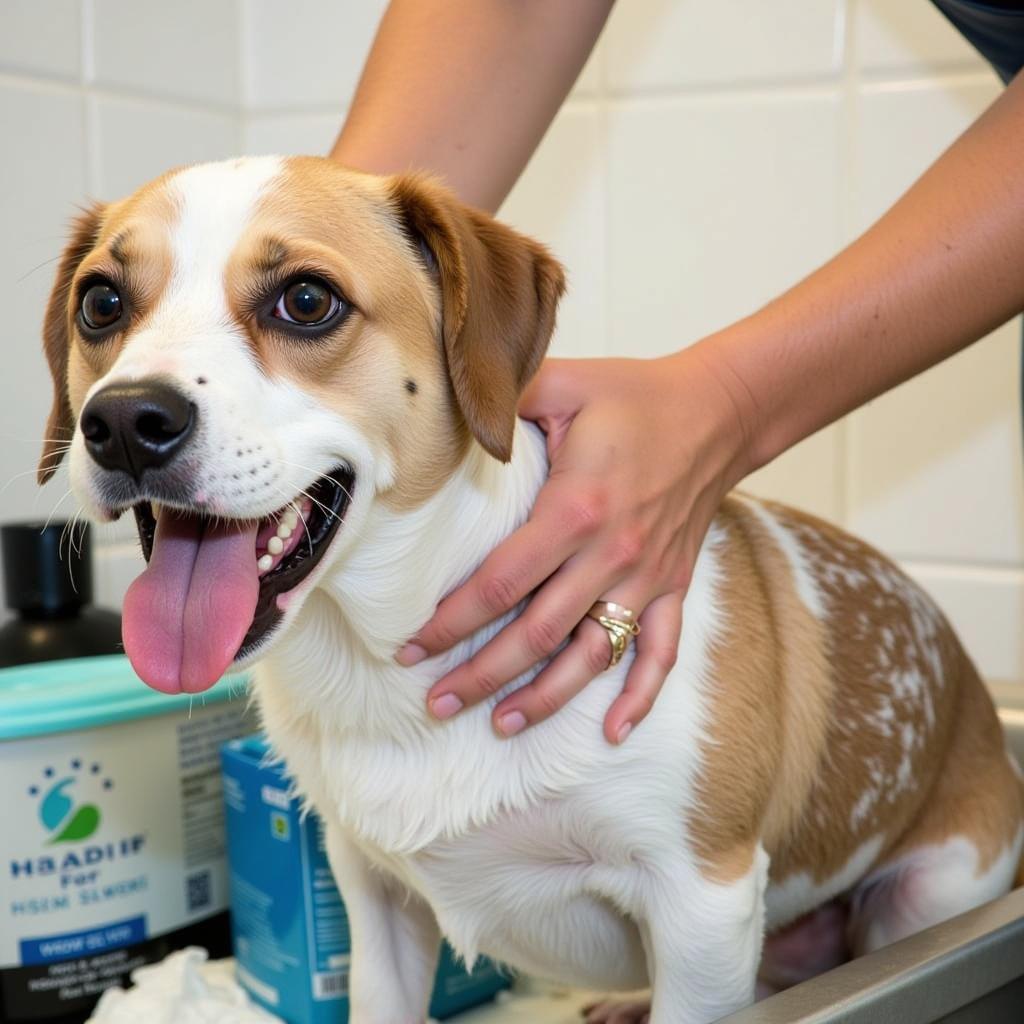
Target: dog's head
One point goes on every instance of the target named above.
(250, 354)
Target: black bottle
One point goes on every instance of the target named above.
(49, 586)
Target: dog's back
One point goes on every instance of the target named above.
(852, 733)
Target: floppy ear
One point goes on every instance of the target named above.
(499, 291)
(57, 339)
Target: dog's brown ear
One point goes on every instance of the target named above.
(499, 291)
(57, 339)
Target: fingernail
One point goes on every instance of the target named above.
(410, 654)
(624, 732)
(445, 706)
(511, 723)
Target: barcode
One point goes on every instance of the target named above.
(330, 986)
(198, 895)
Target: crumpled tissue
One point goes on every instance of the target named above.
(186, 988)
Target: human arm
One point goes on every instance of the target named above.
(466, 88)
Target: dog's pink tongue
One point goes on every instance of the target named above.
(186, 616)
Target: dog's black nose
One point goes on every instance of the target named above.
(135, 427)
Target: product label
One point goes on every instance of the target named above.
(113, 839)
(329, 922)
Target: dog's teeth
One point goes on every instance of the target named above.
(284, 531)
(275, 546)
(265, 562)
(291, 519)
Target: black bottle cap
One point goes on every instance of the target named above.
(43, 573)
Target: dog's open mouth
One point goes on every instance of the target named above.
(214, 588)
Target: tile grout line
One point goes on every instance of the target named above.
(70, 86)
(782, 86)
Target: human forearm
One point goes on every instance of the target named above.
(467, 88)
(938, 271)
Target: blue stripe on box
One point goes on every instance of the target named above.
(72, 944)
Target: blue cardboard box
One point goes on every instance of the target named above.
(289, 926)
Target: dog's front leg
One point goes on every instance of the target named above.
(395, 939)
(703, 940)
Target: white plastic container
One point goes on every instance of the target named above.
(111, 830)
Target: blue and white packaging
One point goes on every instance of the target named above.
(112, 834)
(290, 930)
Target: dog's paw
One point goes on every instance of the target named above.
(616, 1012)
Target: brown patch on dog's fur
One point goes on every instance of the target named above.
(980, 795)
(895, 667)
(766, 688)
(870, 722)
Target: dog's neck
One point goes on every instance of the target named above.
(353, 724)
(399, 567)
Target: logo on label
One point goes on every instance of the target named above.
(279, 827)
(62, 815)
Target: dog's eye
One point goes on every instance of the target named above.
(308, 302)
(101, 306)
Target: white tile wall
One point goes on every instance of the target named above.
(290, 133)
(306, 54)
(44, 126)
(709, 156)
(42, 38)
(138, 139)
(188, 49)
(715, 204)
(903, 36)
(935, 466)
(673, 44)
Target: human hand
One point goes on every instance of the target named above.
(642, 453)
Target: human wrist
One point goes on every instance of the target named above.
(790, 368)
(730, 412)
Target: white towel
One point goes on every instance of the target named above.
(186, 988)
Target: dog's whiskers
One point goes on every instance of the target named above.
(18, 476)
(69, 532)
(66, 439)
(38, 266)
(307, 469)
(60, 501)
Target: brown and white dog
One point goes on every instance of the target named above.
(303, 380)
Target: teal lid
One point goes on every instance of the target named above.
(78, 693)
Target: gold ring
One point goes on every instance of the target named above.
(619, 623)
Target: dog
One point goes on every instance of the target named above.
(303, 381)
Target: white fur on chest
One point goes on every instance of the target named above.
(496, 834)
(361, 745)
